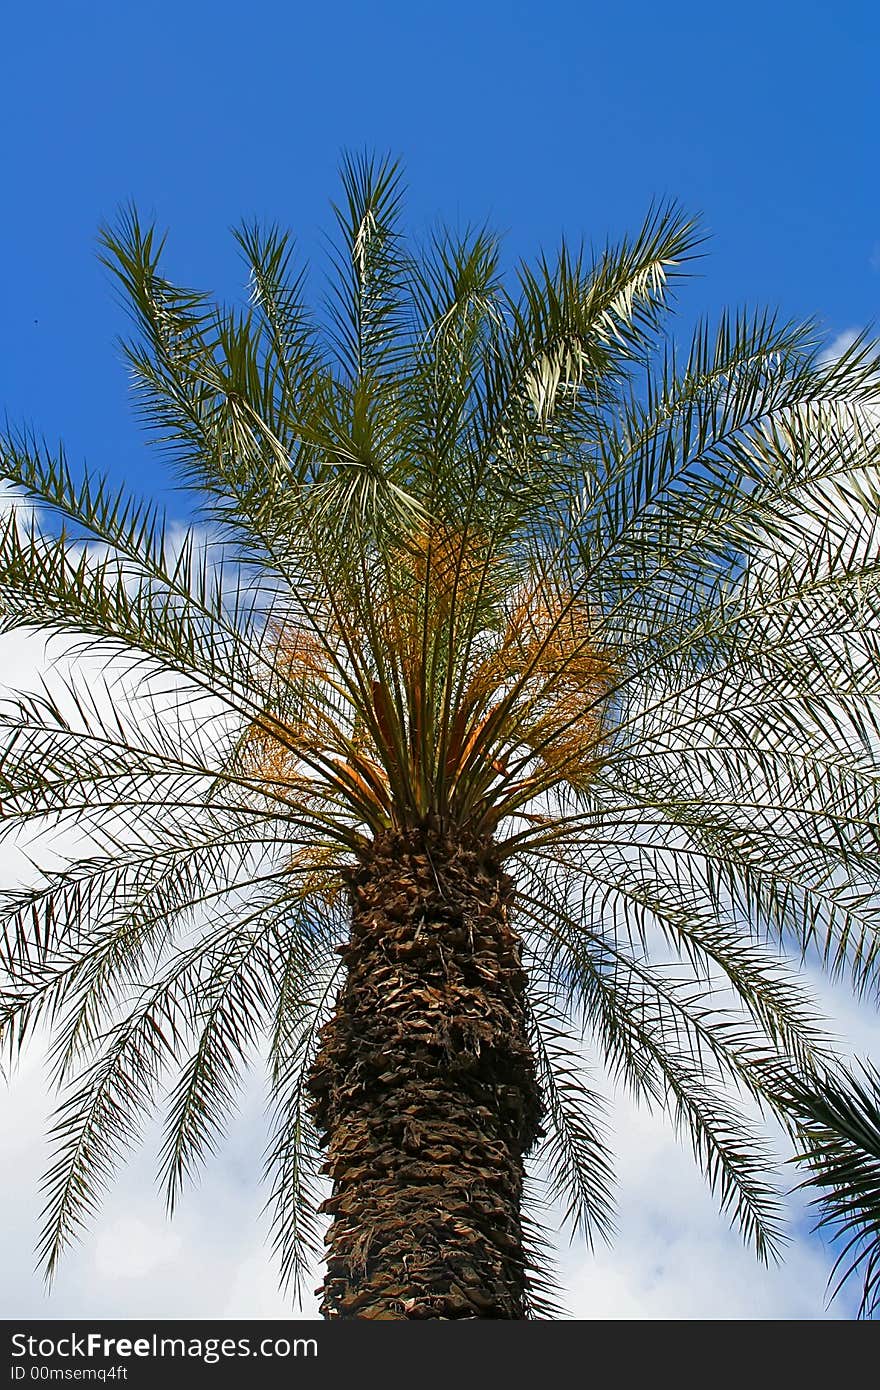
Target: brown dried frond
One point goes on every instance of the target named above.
(319, 871)
(432, 567)
(366, 780)
(550, 643)
(297, 651)
(568, 737)
(548, 657)
(553, 632)
(269, 756)
(305, 663)
(448, 562)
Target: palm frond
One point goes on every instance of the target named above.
(839, 1119)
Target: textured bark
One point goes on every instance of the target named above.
(424, 1090)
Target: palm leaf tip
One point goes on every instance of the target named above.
(839, 1125)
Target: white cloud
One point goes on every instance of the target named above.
(840, 343)
(131, 1249)
(210, 1261)
(674, 1256)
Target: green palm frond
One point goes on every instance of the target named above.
(576, 1151)
(293, 1158)
(839, 1119)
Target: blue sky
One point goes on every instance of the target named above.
(541, 118)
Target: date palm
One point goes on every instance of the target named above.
(509, 705)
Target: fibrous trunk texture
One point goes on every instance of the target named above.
(424, 1090)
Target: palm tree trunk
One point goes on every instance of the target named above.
(424, 1090)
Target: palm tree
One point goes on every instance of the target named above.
(839, 1116)
(508, 705)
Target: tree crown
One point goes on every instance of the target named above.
(482, 555)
